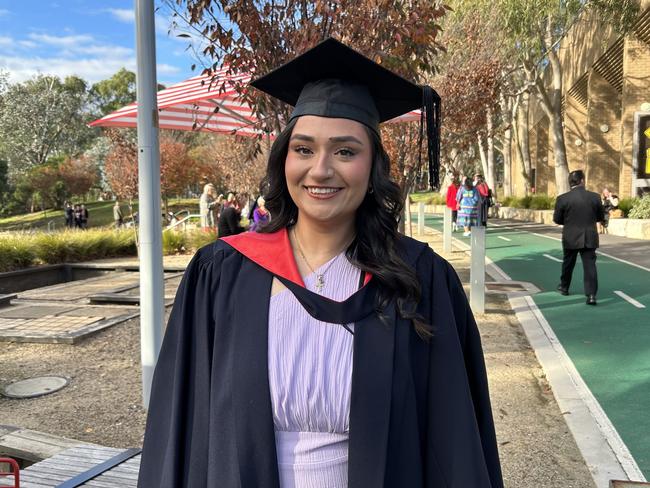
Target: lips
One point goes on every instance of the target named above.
(322, 192)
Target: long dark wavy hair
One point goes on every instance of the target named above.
(374, 248)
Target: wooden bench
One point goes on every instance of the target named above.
(74, 462)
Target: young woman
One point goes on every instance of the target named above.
(468, 200)
(261, 215)
(361, 364)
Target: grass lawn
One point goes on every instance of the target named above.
(428, 197)
(100, 214)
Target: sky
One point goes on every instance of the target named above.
(92, 39)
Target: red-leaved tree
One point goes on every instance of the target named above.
(79, 175)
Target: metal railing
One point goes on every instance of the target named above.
(182, 222)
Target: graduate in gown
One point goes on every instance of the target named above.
(328, 351)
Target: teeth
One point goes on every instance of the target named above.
(322, 191)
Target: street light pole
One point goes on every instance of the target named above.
(151, 265)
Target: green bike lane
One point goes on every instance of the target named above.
(609, 344)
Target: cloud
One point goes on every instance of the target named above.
(6, 41)
(3, 12)
(90, 69)
(122, 14)
(62, 41)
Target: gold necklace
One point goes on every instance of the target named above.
(320, 277)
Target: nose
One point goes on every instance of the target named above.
(322, 168)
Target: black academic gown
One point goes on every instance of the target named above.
(420, 413)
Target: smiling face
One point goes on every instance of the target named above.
(328, 168)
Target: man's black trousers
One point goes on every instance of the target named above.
(588, 257)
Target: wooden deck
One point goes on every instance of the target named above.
(64, 466)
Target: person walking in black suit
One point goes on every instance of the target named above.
(578, 211)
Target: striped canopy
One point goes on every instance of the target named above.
(200, 104)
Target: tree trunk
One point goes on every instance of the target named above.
(523, 141)
(551, 102)
(483, 154)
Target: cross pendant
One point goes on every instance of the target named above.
(320, 282)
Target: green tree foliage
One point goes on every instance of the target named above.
(109, 95)
(41, 118)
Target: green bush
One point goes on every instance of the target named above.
(542, 202)
(15, 253)
(641, 208)
(174, 242)
(626, 204)
(535, 202)
(20, 250)
(428, 198)
(200, 238)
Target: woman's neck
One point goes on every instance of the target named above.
(319, 243)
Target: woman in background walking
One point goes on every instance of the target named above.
(468, 199)
(452, 203)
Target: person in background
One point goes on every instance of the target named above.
(605, 196)
(468, 200)
(84, 217)
(230, 200)
(452, 203)
(118, 217)
(578, 211)
(69, 215)
(615, 212)
(261, 215)
(206, 204)
(229, 221)
(77, 216)
(485, 194)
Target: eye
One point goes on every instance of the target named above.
(302, 150)
(345, 152)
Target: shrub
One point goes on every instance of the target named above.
(542, 202)
(174, 242)
(641, 208)
(626, 204)
(200, 238)
(22, 250)
(15, 253)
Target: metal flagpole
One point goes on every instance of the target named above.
(151, 265)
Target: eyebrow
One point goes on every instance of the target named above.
(338, 139)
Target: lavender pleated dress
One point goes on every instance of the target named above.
(310, 379)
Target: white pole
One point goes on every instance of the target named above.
(446, 231)
(151, 265)
(421, 218)
(477, 271)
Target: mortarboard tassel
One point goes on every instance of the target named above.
(431, 110)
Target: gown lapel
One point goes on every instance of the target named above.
(254, 432)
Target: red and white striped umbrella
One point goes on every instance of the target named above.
(195, 104)
(199, 104)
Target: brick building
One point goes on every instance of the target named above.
(606, 109)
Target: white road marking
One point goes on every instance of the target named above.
(504, 238)
(601, 253)
(629, 299)
(553, 258)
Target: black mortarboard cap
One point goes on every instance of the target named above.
(333, 80)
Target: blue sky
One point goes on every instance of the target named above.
(89, 38)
